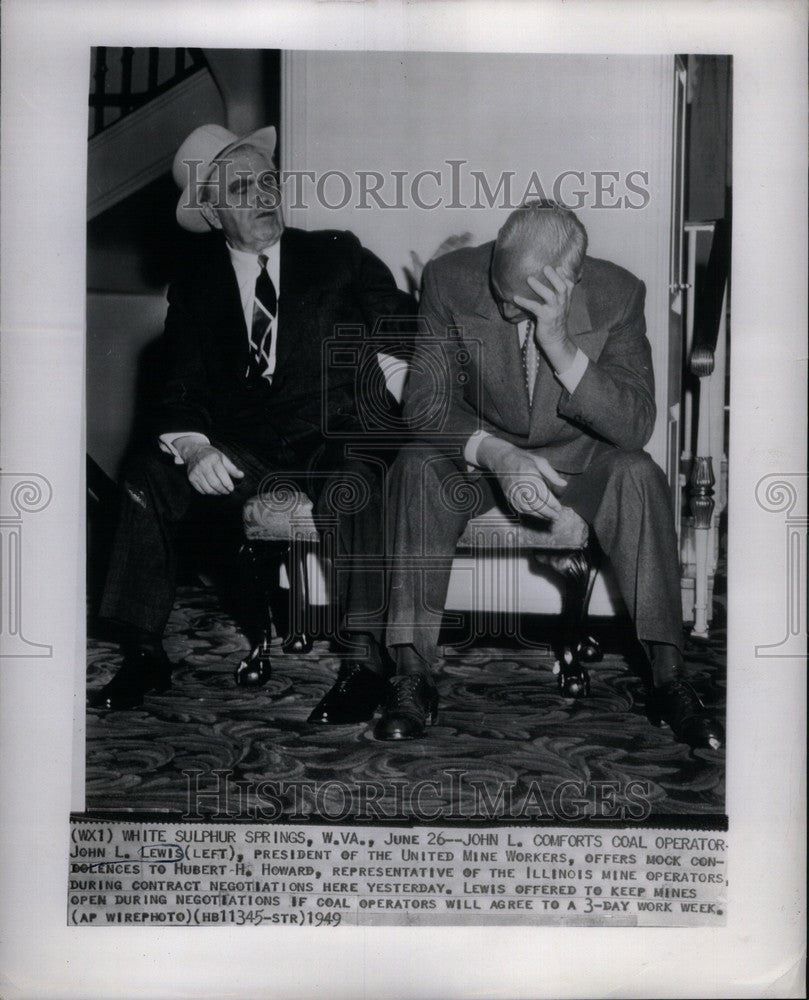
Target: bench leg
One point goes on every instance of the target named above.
(577, 647)
(299, 636)
(262, 562)
(588, 648)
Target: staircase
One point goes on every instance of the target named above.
(143, 103)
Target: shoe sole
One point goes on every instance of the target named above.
(159, 688)
(320, 721)
(660, 723)
(431, 720)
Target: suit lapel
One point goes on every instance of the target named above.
(545, 422)
(222, 293)
(296, 273)
(501, 365)
(500, 360)
(219, 290)
(587, 338)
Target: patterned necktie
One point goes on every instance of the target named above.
(264, 310)
(530, 359)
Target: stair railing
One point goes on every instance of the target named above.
(117, 72)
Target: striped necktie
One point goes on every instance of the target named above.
(264, 310)
(530, 359)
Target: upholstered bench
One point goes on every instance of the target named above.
(279, 528)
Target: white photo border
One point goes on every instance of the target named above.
(45, 68)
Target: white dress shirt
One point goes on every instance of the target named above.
(569, 378)
(247, 269)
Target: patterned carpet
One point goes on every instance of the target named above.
(503, 730)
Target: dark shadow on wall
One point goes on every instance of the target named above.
(135, 246)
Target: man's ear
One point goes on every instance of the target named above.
(209, 214)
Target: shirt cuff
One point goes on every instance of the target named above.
(571, 377)
(470, 452)
(167, 442)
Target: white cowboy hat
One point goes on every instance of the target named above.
(202, 147)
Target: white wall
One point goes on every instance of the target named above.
(413, 111)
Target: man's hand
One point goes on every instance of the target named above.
(209, 470)
(523, 477)
(550, 311)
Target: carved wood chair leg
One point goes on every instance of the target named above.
(588, 647)
(573, 678)
(256, 668)
(299, 636)
(575, 648)
(261, 563)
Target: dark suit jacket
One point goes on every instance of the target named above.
(613, 405)
(328, 281)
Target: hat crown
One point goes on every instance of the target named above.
(201, 146)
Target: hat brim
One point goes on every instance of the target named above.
(189, 215)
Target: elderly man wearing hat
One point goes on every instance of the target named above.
(246, 395)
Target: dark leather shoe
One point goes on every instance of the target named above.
(141, 672)
(354, 697)
(411, 706)
(679, 705)
(256, 668)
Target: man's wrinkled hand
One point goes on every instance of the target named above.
(523, 477)
(209, 470)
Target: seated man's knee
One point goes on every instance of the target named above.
(150, 466)
(155, 484)
(423, 463)
(358, 486)
(640, 467)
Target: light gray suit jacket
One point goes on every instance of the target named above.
(467, 372)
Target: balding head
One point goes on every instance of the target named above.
(537, 235)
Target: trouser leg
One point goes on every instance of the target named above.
(347, 493)
(157, 501)
(355, 502)
(625, 498)
(141, 579)
(431, 497)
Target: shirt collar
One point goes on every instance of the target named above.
(246, 262)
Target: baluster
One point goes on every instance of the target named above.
(100, 78)
(718, 444)
(154, 62)
(708, 365)
(126, 80)
(701, 490)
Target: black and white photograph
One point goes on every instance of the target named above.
(403, 498)
(448, 397)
